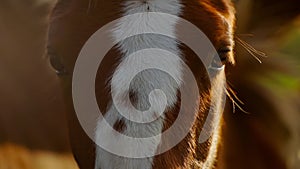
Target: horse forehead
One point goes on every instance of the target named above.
(213, 17)
(92, 8)
(223, 6)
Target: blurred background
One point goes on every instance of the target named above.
(33, 131)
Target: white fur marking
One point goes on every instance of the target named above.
(105, 160)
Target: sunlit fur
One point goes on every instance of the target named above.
(214, 17)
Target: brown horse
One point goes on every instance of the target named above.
(73, 22)
(31, 108)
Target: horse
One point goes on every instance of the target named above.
(72, 23)
(247, 141)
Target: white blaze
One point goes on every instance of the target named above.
(125, 27)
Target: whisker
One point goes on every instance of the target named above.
(251, 53)
(251, 50)
(233, 97)
(235, 104)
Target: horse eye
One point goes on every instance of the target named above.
(57, 64)
(221, 58)
(223, 53)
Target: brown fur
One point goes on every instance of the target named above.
(82, 18)
(249, 142)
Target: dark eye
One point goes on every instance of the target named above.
(56, 63)
(223, 53)
(221, 58)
